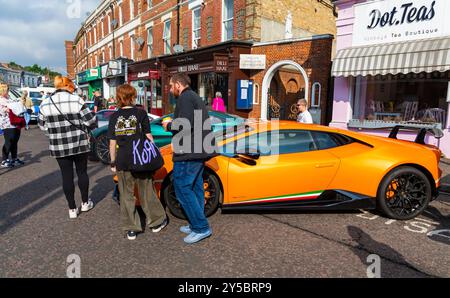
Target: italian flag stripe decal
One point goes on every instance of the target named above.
(295, 197)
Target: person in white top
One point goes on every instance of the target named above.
(304, 116)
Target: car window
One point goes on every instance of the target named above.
(35, 95)
(272, 143)
(324, 140)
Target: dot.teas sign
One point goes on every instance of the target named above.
(400, 20)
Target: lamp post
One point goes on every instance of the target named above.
(113, 27)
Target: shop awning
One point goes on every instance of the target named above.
(416, 56)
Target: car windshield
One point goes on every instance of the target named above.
(105, 115)
(35, 95)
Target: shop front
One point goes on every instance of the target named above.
(393, 67)
(211, 70)
(90, 81)
(82, 83)
(146, 79)
(113, 74)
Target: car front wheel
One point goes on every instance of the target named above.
(213, 195)
(404, 193)
(102, 149)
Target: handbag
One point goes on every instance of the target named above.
(146, 156)
(86, 131)
(17, 121)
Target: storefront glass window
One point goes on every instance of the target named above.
(404, 98)
(149, 95)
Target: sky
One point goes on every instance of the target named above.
(34, 31)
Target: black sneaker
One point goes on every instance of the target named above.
(160, 227)
(18, 162)
(131, 235)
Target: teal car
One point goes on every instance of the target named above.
(100, 142)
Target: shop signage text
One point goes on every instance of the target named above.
(220, 64)
(189, 68)
(409, 13)
(389, 21)
(252, 62)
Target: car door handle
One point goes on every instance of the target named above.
(325, 165)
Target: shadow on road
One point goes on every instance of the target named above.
(28, 158)
(22, 202)
(367, 246)
(441, 233)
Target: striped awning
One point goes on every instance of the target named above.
(426, 55)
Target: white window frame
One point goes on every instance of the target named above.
(120, 15)
(110, 53)
(109, 24)
(131, 9)
(225, 21)
(149, 45)
(132, 47)
(195, 41)
(95, 34)
(167, 36)
(121, 48)
(103, 28)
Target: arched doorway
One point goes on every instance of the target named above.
(267, 93)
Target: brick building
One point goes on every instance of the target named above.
(162, 35)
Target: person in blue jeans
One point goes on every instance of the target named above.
(189, 160)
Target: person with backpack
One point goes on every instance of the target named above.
(67, 120)
(131, 146)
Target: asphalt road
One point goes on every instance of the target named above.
(37, 237)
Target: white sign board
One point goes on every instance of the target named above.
(400, 20)
(252, 62)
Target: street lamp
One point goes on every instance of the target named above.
(113, 27)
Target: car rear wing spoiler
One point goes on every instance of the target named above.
(420, 138)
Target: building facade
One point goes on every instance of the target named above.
(393, 67)
(171, 35)
(18, 78)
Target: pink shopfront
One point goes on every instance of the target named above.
(393, 67)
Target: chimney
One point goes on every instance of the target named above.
(70, 59)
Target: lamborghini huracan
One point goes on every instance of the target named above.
(283, 166)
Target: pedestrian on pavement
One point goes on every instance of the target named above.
(124, 126)
(189, 166)
(28, 104)
(304, 116)
(67, 120)
(11, 125)
(112, 103)
(98, 101)
(218, 104)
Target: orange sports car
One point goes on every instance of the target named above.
(281, 165)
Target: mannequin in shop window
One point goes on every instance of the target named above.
(218, 104)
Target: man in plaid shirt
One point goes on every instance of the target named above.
(66, 119)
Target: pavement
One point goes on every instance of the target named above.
(39, 240)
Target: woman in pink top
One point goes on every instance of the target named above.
(218, 104)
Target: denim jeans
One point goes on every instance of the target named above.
(188, 184)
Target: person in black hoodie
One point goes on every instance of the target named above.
(192, 144)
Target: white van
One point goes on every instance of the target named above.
(36, 97)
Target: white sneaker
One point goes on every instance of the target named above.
(73, 213)
(85, 207)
